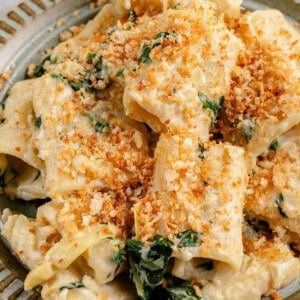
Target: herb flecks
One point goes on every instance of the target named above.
(201, 150)
(39, 68)
(279, 200)
(75, 85)
(188, 238)
(90, 57)
(213, 106)
(72, 285)
(38, 122)
(118, 256)
(99, 126)
(58, 77)
(148, 263)
(91, 81)
(274, 145)
(112, 31)
(157, 41)
(182, 292)
(145, 55)
(120, 73)
(132, 16)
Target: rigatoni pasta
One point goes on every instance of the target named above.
(166, 136)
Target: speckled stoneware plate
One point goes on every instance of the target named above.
(27, 28)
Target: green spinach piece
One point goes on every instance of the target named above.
(188, 238)
(182, 292)
(279, 202)
(163, 35)
(39, 68)
(100, 127)
(132, 16)
(90, 57)
(75, 85)
(213, 106)
(148, 263)
(120, 73)
(275, 145)
(145, 54)
(38, 122)
(201, 150)
(72, 285)
(99, 64)
(58, 77)
(118, 256)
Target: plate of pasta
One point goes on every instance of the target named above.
(151, 150)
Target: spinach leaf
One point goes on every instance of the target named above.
(39, 68)
(275, 145)
(2, 121)
(162, 34)
(182, 292)
(112, 31)
(279, 202)
(213, 106)
(145, 54)
(99, 64)
(73, 285)
(100, 127)
(148, 263)
(132, 16)
(201, 151)
(188, 238)
(118, 256)
(38, 122)
(120, 73)
(58, 76)
(90, 57)
(76, 86)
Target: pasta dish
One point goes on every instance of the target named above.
(165, 138)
